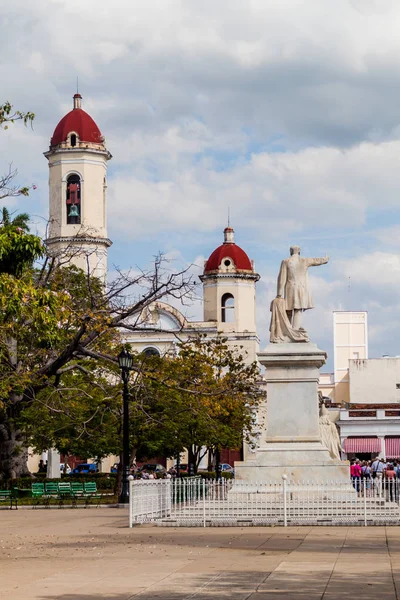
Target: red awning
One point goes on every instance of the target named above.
(352, 445)
(392, 447)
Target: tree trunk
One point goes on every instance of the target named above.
(13, 450)
(192, 457)
(13, 453)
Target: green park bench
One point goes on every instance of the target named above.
(90, 493)
(77, 492)
(7, 496)
(62, 491)
(51, 491)
(38, 494)
(65, 492)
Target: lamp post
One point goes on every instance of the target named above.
(218, 466)
(125, 362)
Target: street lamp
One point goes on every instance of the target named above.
(125, 361)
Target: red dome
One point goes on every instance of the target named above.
(229, 250)
(79, 122)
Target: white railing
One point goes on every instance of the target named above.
(149, 500)
(200, 502)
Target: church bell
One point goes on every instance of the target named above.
(73, 211)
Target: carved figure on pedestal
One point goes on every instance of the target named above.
(293, 297)
(329, 433)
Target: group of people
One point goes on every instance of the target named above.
(150, 475)
(377, 473)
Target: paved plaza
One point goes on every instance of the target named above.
(91, 554)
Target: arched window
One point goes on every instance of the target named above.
(73, 200)
(73, 139)
(151, 351)
(228, 308)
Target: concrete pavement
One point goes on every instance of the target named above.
(92, 555)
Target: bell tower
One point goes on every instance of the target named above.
(229, 288)
(77, 192)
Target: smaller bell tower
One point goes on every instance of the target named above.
(229, 288)
(77, 192)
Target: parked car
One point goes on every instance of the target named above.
(152, 468)
(183, 468)
(62, 469)
(85, 469)
(225, 467)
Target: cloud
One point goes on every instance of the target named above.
(275, 194)
(287, 112)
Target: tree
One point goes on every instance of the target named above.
(56, 320)
(205, 396)
(219, 394)
(9, 115)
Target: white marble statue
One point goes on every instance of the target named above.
(293, 297)
(329, 433)
(281, 329)
(293, 284)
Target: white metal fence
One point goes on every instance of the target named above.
(200, 502)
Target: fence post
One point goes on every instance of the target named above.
(284, 491)
(204, 502)
(364, 484)
(130, 500)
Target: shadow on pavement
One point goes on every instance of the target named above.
(256, 585)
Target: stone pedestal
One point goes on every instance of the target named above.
(290, 440)
(53, 464)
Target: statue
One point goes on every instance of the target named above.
(293, 297)
(329, 433)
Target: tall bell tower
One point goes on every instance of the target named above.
(78, 192)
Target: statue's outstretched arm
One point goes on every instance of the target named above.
(315, 262)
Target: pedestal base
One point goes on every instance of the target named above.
(300, 461)
(290, 441)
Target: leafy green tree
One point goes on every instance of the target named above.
(57, 320)
(205, 396)
(7, 186)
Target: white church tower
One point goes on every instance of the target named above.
(229, 293)
(78, 185)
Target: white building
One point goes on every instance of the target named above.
(78, 231)
(365, 392)
(229, 307)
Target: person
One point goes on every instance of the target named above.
(378, 467)
(42, 468)
(151, 476)
(390, 480)
(355, 474)
(366, 476)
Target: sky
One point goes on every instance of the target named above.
(287, 113)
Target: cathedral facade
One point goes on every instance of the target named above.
(77, 159)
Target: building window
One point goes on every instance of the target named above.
(73, 139)
(228, 308)
(150, 351)
(73, 200)
(397, 386)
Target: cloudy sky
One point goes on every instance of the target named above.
(287, 112)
